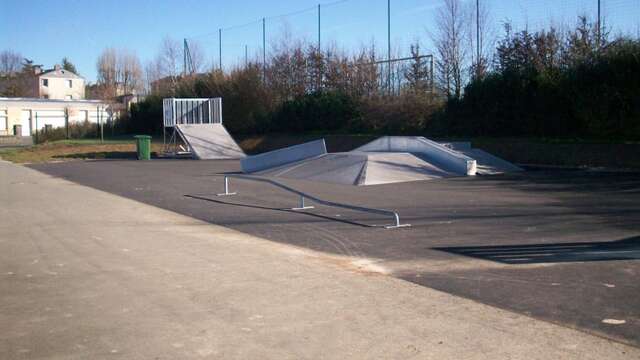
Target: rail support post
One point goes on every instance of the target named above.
(301, 205)
(397, 222)
(226, 188)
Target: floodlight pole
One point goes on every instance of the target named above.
(599, 24)
(220, 49)
(389, 45)
(318, 28)
(264, 51)
(184, 57)
(478, 32)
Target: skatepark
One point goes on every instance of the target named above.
(547, 257)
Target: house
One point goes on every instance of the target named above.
(57, 84)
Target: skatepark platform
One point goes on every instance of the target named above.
(389, 159)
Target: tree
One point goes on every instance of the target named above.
(418, 74)
(10, 62)
(108, 73)
(119, 73)
(130, 72)
(68, 65)
(448, 39)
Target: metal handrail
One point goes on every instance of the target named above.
(304, 196)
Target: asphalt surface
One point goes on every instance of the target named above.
(561, 245)
(86, 274)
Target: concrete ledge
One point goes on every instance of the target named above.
(283, 156)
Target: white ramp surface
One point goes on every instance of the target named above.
(283, 156)
(430, 151)
(489, 164)
(360, 168)
(210, 141)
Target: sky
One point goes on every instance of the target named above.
(47, 31)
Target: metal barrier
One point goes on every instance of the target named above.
(302, 205)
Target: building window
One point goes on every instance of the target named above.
(70, 83)
(68, 97)
(3, 121)
(45, 82)
(45, 96)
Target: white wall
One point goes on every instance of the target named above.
(58, 88)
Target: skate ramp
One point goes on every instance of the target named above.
(275, 158)
(210, 141)
(488, 164)
(431, 151)
(359, 168)
(389, 159)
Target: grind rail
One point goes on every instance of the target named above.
(303, 206)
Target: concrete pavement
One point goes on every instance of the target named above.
(87, 274)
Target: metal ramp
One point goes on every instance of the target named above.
(209, 141)
(198, 124)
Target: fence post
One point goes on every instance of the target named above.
(36, 126)
(66, 121)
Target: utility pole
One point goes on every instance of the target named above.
(599, 24)
(478, 32)
(246, 55)
(389, 45)
(220, 49)
(184, 57)
(264, 51)
(318, 28)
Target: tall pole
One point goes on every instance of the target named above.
(184, 59)
(264, 50)
(478, 32)
(599, 24)
(246, 55)
(318, 27)
(389, 45)
(220, 49)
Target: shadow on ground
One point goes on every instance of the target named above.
(624, 249)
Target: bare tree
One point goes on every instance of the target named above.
(10, 62)
(130, 72)
(152, 73)
(197, 56)
(107, 66)
(449, 41)
(169, 57)
(119, 73)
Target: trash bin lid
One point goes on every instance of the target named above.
(142, 137)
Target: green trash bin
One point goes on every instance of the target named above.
(143, 146)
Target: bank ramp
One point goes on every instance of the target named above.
(209, 141)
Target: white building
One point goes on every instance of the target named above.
(57, 83)
(30, 114)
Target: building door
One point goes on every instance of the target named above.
(25, 121)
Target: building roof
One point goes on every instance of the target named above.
(37, 101)
(59, 73)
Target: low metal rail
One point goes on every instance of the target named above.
(303, 206)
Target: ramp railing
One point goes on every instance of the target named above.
(302, 205)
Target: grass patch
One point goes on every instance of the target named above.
(77, 149)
